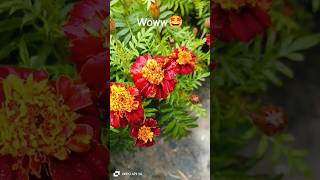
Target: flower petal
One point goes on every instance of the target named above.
(6, 172)
(135, 117)
(72, 168)
(76, 96)
(80, 140)
(97, 160)
(94, 123)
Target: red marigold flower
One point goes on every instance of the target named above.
(208, 40)
(145, 133)
(41, 129)
(87, 31)
(125, 106)
(154, 77)
(271, 120)
(194, 99)
(184, 59)
(240, 20)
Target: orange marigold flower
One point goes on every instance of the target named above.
(144, 134)
(154, 77)
(125, 106)
(41, 127)
(184, 59)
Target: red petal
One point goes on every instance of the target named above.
(116, 121)
(72, 168)
(82, 50)
(93, 72)
(137, 66)
(75, 96)
(81, 131)
(159, 93)
(87, 13)
(165, 88)
(170, 74)
(262, 17)
(22, 73)
(135, 117)
(238, 27)
(97, 161)
(156, 131)
(35, 166)
(150, 91)
(141, 84)
(93, 122)
(187, 69)
(253, 25)
(150, 122)
(2, 96)
(6, 172)
(133, 91)
(134, 132)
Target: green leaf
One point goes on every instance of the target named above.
(262, 147)
(284, 69)
(23, 52)
(10, 24)
(315, 5)
(304, 43)
(123, 32)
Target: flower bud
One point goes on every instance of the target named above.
(171, 42)
(154, 10)
(207, 22)
(112, 26)
(194, 99)
(195, 31)
(271, 120)
(208, 40)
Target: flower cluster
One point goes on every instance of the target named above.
(153, 77)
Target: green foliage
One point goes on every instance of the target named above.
(31, 33)
(120, 140)
(176, 120)
(244, 73)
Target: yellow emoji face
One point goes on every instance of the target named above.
(175, 21)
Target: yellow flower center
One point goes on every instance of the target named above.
(34, 121)
(153, 71)
(184, 57)
(145, 134)
(121, 100)
(234, 4)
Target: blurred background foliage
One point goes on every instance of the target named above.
(31, 35)
(244, 73)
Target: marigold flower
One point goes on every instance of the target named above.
(240, 20)
(87, 32)
(194, 99)
(41, 128)
(125, 106)
(144, 134)
(154, 77)
(184, 59)
(208, 40)
(271, 120)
